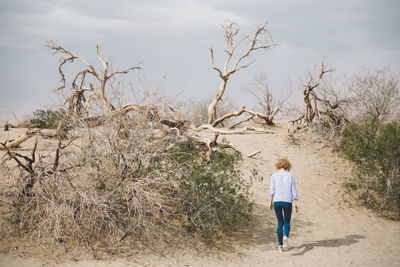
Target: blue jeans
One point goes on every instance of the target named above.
(283, 218)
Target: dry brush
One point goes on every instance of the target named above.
(118, 173)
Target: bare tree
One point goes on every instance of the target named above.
(88, 90)
(323, 105)
(310, 97)
(267, 103)
(261, 39)
(376, 94)
(88, 85)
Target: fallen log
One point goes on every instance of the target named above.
(18, 141)
(267, 118)
(241, 130)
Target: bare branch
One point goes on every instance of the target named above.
(242, 121)
(57, 155)
(260, 40)
(125, 71)
(255, 45)
(176, 111)
(77, 100)
(267, 118)
(213, 65)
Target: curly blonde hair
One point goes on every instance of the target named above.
(283, 163)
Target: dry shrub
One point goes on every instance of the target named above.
(126, 180)
(107, 188)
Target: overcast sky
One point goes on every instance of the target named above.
(172, 38)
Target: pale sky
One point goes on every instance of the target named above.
(172, 38)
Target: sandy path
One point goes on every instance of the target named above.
(326, 232)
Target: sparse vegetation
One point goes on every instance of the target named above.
(374, 147)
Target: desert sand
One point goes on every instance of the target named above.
(327, 231)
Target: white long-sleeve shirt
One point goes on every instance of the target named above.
(283, 187)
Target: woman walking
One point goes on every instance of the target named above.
(283, 192)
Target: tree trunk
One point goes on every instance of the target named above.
(212, 107)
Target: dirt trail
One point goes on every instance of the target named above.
(326, 232)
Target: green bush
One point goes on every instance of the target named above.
(46, 119)
(374, 147)
(214, 194)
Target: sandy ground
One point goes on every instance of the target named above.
(326, 232)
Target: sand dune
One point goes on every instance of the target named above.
(326, 232)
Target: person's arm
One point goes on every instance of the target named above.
(295, 196)
(272, 192)
(296, 205)
(271, 205)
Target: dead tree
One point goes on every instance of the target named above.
(310, 98)
(323, 106)
(261, 39)
(89, 86)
